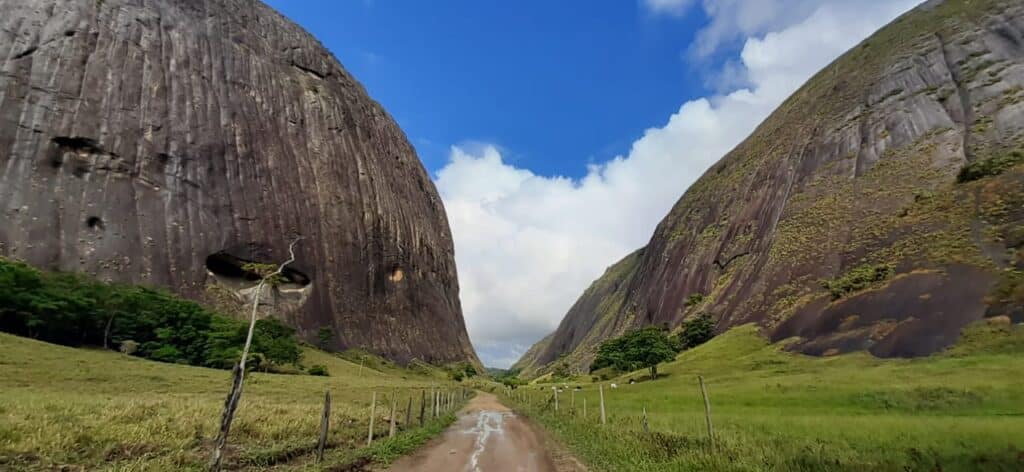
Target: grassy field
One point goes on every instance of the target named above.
(774, 410)
(100, 410)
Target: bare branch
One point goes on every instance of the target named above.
(231, 403)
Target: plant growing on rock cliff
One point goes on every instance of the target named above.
(857, 279)
(994, 165)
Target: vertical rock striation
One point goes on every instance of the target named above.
(841, 220)
(170, 142)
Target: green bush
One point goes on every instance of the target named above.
(994, 165)
(694, 299)
(74, 310)
(461, 370)
(857, 279)
(696, 332)
(318, 370)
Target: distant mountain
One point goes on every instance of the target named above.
(880, 208)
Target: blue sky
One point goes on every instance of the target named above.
(558, 84)
(559, 133)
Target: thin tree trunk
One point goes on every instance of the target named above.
(236, 386)
(106, 332)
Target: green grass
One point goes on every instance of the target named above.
(775, 410)
(100, 410)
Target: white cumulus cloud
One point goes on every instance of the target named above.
(528, 245)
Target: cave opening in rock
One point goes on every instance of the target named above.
(94, 222)
(226, 265)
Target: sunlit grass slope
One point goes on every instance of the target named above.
(775, 410)
(100, 410)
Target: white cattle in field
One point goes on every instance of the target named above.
(614, 386)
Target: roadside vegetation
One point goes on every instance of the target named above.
(958, 410)
(100, 402)
(74, 310)
(94, 409)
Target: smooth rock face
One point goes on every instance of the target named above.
(169, 142)
(858, 168)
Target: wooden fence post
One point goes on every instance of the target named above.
(394, 413)
(423, 405)
(643, 422)
(572, 400)
(584, 407)
(373, 412)
(556, 400)
(600, 389)
(325, 424)
(408, 412)
(707, 411)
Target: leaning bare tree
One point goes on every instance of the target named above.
(238, 374)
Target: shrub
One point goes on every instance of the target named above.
(994, 165)
(324, 336)
(461, 370)
(857, 279)
(74, 310)
(694, 299)
(695, 332)
(318, 370)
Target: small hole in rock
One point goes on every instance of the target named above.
(94, 222)
(396, 274)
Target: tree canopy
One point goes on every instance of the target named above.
(74, 310)
(640, 348)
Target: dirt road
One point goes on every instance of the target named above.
(488, 437)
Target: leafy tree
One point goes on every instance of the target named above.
(324, 336)
(641, 348)
(461, 370)
(696, 332)
(509, 378)
(74, 310)
(561, 369)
